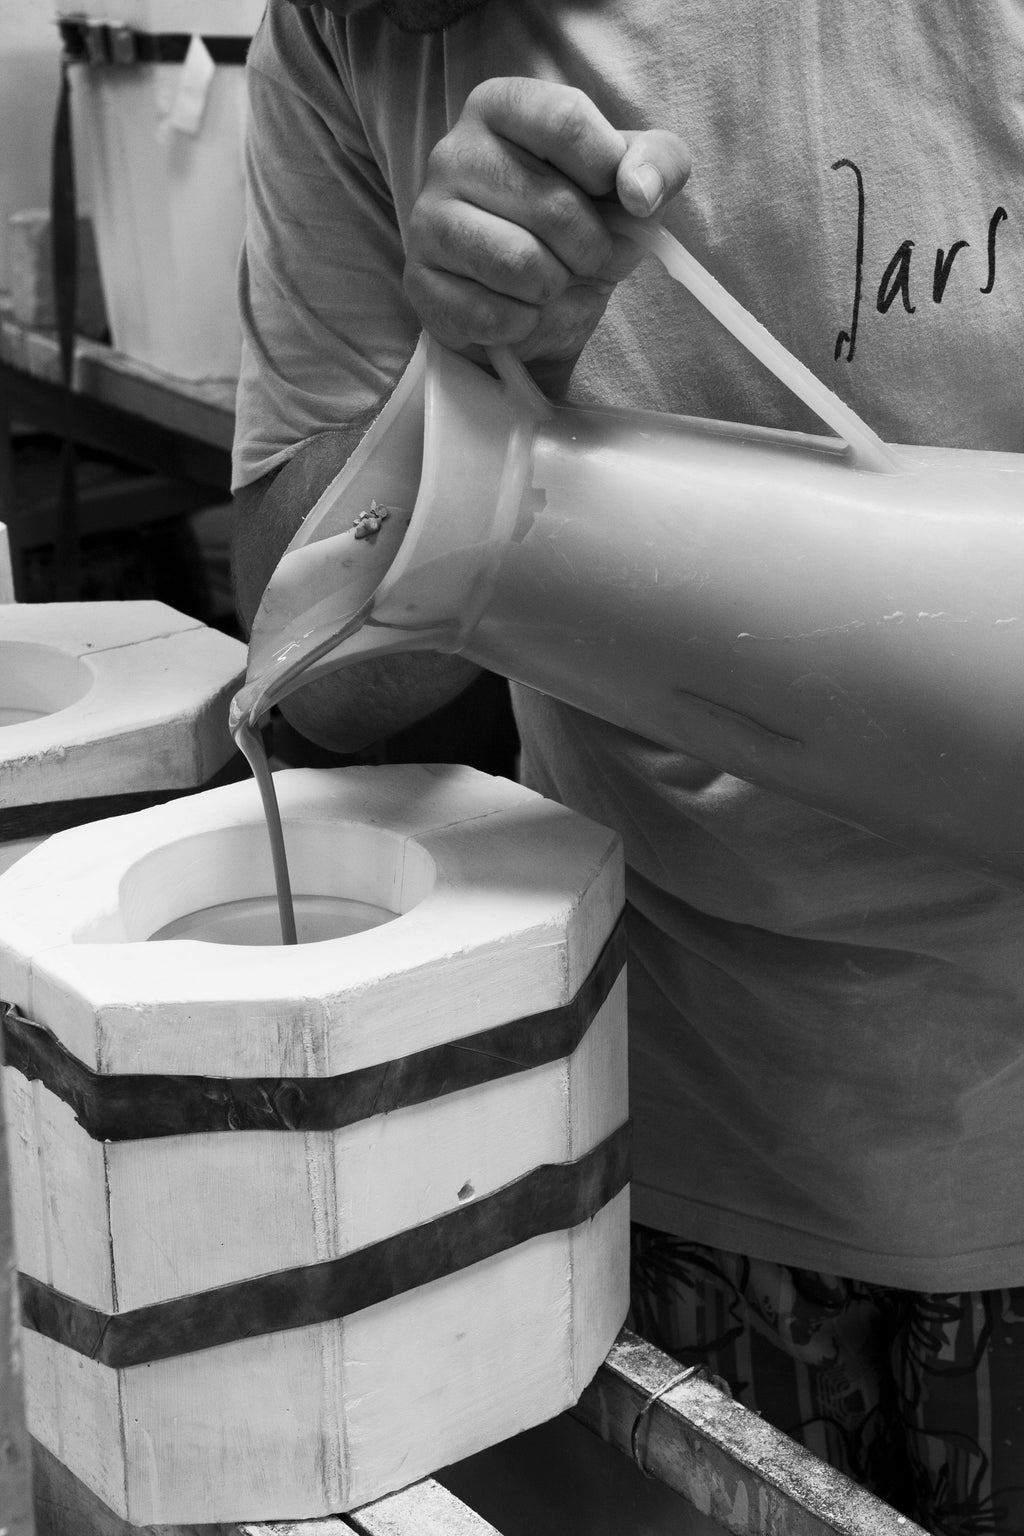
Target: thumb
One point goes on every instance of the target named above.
(652, 171)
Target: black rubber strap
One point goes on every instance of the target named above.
(139, 1106)
(106, 43)
(18, 821)
(551, 1198)
(64, 275)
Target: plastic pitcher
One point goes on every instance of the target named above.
(828, 616)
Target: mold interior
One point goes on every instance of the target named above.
(218, 885)
(38, 680)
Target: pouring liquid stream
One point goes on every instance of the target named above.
(331, 616)
(250, 744)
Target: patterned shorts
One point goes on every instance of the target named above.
(918, 1397)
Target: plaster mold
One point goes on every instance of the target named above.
(364, 1292)
(103, 700)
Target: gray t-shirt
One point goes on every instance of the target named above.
(827, 1032)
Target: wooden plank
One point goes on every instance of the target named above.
(747, 1476)
(202, 409)
(121, 503)
(179, 448)
(425, 1509)
(330, 1525)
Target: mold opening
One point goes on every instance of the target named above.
(38, 680)
(217, 886)
(255, 920)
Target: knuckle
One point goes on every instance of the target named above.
(558, 206)
(569, 119)
(463, 313)
(417, 284)
(567, 209)
(505, 325)
(568, 222)
(421, 220)
(456, 241)
(501, 93)
(482, 95)
(528, 274)
(460, 245)
(487, 318)
(515, 265)
(447, 155)
(428, 236)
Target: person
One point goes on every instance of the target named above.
(827, 1028)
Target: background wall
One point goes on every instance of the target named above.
(29, 75)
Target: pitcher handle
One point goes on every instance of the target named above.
(867, 450)
(530, 397)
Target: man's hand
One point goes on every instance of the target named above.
(506, 246)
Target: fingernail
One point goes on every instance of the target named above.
(648, 181)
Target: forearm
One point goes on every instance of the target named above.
(369, 700)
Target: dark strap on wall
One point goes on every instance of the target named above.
(106, 43)
(551, 1198)
(64, 274)
(137, 1107)
(19, 821)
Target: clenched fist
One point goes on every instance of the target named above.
(506, 245)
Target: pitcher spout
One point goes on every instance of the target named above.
(390, 558)
(321, 594)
